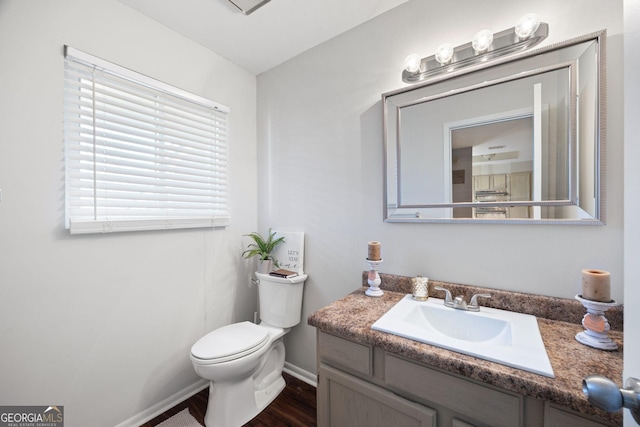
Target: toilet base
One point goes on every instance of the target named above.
(266, 396)
(232, 404)
(218, 407)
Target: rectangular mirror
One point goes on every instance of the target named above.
(515, 139)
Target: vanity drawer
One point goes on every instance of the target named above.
(469, 399)
(340, 352)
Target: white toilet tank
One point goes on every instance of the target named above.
(280, 299)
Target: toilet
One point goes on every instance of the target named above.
(243, 361)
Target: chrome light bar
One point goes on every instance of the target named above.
(503, 43)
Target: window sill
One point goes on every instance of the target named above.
(124, 225)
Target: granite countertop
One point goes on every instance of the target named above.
(352, 316)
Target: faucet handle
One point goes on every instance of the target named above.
(473, 304)
(448, 299)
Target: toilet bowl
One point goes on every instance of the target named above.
(244, 361)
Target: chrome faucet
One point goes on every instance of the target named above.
(459, 303)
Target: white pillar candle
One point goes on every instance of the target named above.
(373, 252)
(596, 285)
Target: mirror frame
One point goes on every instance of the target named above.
(397, 212)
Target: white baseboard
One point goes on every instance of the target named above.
(165, 405)
(182, 395)
(301, 374)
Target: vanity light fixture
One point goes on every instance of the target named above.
(412, 63)
(527, 32)
(444, 53)
(527, 26)
(482, 41)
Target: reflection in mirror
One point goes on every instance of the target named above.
(493, 162)
(500, 144)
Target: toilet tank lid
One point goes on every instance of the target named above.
(229, 340)
(300, 278)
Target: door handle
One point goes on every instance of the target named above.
(605, 394)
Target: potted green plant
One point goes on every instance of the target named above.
(262, 248)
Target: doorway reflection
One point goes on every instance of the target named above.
(493, 162)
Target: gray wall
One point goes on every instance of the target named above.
(103, 324)
(320, 160)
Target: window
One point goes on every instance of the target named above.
(140, 154)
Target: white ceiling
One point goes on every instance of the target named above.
(271, 35)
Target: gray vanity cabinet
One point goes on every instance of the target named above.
(347, 396)
(361, 385)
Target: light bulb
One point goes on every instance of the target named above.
(444, 53)
(412, 63)
(482, 41)
(527, 26)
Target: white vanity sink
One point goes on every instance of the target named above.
(504, 337)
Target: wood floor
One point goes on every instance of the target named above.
(294, 407)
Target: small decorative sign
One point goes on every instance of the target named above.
(290, 254)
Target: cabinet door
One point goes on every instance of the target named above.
(344, 400)
(556, 417)
(459, 423)
(521, 186)
(499, 182)
(481, 182)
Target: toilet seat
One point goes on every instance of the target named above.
(230, 342)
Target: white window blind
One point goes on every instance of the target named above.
(140, 154)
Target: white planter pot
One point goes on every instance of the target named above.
(264, 266)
